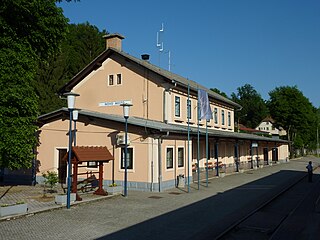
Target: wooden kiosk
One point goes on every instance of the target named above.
(96, 156)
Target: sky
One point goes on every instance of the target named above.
(221, 44)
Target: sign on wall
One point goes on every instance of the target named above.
(115, 103)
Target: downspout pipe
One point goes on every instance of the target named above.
(160, 164)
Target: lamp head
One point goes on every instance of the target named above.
(126, 108)
(75, 114)
(71, 97)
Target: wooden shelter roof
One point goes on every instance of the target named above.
(90, 154)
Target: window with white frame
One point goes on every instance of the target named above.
(189, 109)
(177, 106)
(222, 117)
(169, 157)
(119, 79)
(110, 80)
(180, 157)
(129, 158)
(215, 115)
(229, 119)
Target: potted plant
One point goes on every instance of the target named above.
(114, 189)
(62, 198)
(13, 209)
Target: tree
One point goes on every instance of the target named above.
(254, 108)
(83, 43)
(31, 32)
(294, 112)
(216, 90)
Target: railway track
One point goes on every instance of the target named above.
(273, 218)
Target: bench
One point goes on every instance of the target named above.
(213, 165)
(88, 184)
(194, 167)
(210, 165)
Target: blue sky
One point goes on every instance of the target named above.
(220, 44)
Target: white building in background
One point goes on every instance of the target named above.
(268, 125)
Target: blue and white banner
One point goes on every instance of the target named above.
(204, 105)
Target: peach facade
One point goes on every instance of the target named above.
(157, 126)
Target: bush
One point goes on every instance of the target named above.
(51, 178)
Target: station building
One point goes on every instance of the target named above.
(164, 107)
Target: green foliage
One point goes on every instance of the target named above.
(254, 107)
(31, 33)
(83, 43)
(51, 178)
(294, 112)
(216, 90)
(18, 105)
(40, 24)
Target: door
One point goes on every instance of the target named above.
(274, 154)
(62, 168)
(265, 154)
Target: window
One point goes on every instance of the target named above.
(110, 80)
(189, 109)
(169, 157)
(92, 164)
(180, 157)
(129, 158)
(215, 112)
(229, 119)
(222, 117)
(119, 79)
(177, 106)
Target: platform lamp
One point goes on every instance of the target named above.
(71, 97)
(126, 107)
(75, 115)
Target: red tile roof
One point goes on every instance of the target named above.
(91, 154)
(250, 130)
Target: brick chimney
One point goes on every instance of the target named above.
(114, 41)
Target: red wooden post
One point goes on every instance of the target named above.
(75, 179)
(100, 190)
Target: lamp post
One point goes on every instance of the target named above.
(71, 100)
(75, 115)
(126, 108)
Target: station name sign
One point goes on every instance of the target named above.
(115, 103)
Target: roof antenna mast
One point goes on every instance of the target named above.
(160, 45)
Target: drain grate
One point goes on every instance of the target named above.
(155, 197)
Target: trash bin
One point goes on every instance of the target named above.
(181, 181)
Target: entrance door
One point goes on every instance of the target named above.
(265, 154)
(62, 168)
(274, 154)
